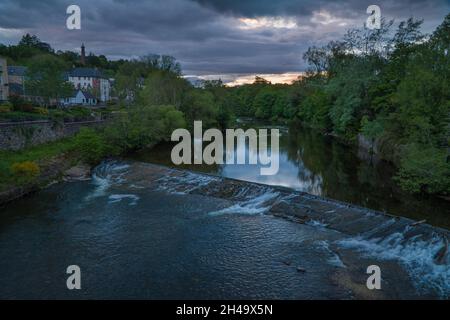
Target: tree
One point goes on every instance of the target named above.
(164, 88)
(34, 42)
(200, 105)
(130, 80)
(45, 78)
(261, 81)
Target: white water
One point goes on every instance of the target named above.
(416, 255)
(184, 184)
(105, 175)
(333, 257)
(114, 198)
(256, 205)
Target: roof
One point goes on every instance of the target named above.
(86, 94)
(17, 71)
(86, 72)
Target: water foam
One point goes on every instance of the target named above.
(114, 198)
(105, 175)
(185, 183)
(256, 205)
(416, 255)
(333, 257)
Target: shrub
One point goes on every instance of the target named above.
(91, 145)
(424, 169)
(41, 111)
(25, 171)
(4, 108)
(16, 101)
(25, 107)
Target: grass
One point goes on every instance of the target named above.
(21, 116)
(34, 154)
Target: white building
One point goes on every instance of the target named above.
(80, 97)
(93, 80)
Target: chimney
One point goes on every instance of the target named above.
(83, 55)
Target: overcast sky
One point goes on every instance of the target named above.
(226, 38)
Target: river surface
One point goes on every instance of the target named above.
(322, 166)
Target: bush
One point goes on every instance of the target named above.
(424, 169)
(91, 145)
(25, 171)
(25, 107)
(41, 111)
(17, 116)
(4, 108)
(16, 101)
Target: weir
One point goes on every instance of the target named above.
(419, 248)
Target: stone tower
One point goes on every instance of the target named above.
(83, 55)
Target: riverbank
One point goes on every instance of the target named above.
(56, 161)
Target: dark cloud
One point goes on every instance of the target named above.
(207, 36)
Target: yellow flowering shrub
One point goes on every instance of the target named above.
(26, 170)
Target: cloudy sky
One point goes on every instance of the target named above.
(231, 39)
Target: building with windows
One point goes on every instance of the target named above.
(93, 80)
(16, 77)
(79, 97)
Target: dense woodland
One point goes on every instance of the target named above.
(390, 85)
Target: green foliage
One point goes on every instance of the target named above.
(36, 154)
(371, 129)
(142, 127)
(314, 110)
(17, 116)
(4, 108)
(264, 103)
(164, 88)
(45, 78)
(91, 145)
(41, 111)
(200, 105)
(261, 100)
(424, 169)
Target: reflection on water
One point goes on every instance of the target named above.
(320, 165)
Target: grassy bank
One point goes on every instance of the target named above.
(19, 168)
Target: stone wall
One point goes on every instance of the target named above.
(16, 136)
